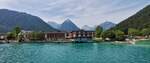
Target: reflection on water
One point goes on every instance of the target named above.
(73, 53)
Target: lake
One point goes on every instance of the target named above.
(75, 53)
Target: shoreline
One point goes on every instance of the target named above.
(91, 41)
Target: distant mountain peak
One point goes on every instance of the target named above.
(107, 25)
(68, 26)
(68, 21)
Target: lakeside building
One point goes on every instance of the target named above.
(44, 36)
(80, 35)
(55, 36)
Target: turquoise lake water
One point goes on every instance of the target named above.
(75, 53)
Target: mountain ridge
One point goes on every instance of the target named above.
(138, 21)
(10, 19)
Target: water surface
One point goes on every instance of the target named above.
(74, 53)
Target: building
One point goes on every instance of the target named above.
(55, 36)
(80, 35)
(44, 36)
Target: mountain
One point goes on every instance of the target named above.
(54, 25)
(68, 26)
(10, 19)
(107, 25)
(138, 21)
(88, 28)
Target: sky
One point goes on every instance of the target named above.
(81, 12)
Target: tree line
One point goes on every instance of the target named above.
(119, 35)
(17, 34)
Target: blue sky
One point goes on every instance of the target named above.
(81, 12)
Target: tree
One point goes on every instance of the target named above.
(145, 32)
(10, 36)
(108, 34)
(33, 36)
(16, 31)
(119, 35)
(14, 34)
(37, 36)
(99, 31)
(114, 35)
(133, 32)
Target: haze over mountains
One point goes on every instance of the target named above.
(88, 28)
(54, 25)
(68, 25)
(10, 19)
(106, 25)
